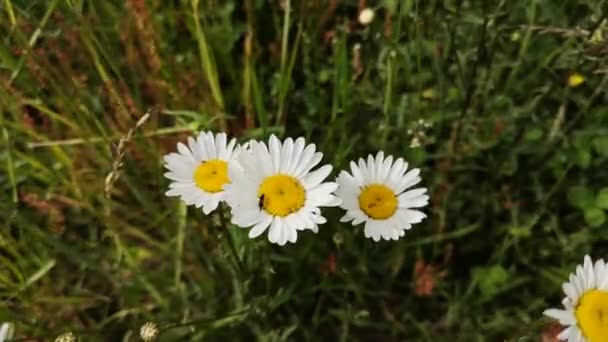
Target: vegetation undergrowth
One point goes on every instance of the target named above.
(503, 105)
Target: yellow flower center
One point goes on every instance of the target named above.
(211, 175)
(281, 195)
(378, 201)
(592, 315)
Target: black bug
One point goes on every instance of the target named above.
(261, 201)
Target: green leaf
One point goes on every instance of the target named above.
(601, 145)
(580, 197)
(583, 158)
(601, 201)
(417, 156)
(533, 134)
(490, 279)
(520, 231)
(595, 217)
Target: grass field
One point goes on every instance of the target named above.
(502, 104)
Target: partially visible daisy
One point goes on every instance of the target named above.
(374, 193)
(199, 171)
(6, 331)
(586, 304)
(273, 186)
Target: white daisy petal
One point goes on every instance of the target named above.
(576, 335)
(207, 142)
(397, 170)
(262, 156)
(385, 169)
(371, 168)
(563, 336)
(307, 156)
(346, 218)
(414, 216)
(184, 151)
(316, 159)
(274, 234)
(210, 206)
(220, 144)
(275, 153)
(358, 217)
(298, 149)
(316, 177)
(196, 150)
(410, 194)
(356, 173)
(287, 153)
(321, 195)
(230, 148)
(364, 172)
(409, 179)
(293, 235)
(378, 166)
(564, 317)
(260, 227)
(420, 201)
(305, 220)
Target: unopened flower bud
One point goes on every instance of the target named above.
(148, 332)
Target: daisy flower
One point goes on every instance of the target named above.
(273, 186)
(586, 304)
(199, 171)
(6, 331)
(374, 193)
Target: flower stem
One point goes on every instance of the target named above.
(224, 227)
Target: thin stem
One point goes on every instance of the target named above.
(204, 321)
(388, 93)
(10, 167)
(224, 227)
(10, 12)
(208, 65)
(284, 41)
(181, 237)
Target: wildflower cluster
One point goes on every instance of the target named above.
(279, 187)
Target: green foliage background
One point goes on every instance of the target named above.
(515, 161)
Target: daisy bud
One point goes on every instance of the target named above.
(575, 80)
(366, 16)
(148, 332)
(338, 239)
(66, 337)
(415, 142)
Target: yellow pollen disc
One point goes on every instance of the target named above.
(281, 195)
(592, 315)
(211, 175)
(378, 201)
